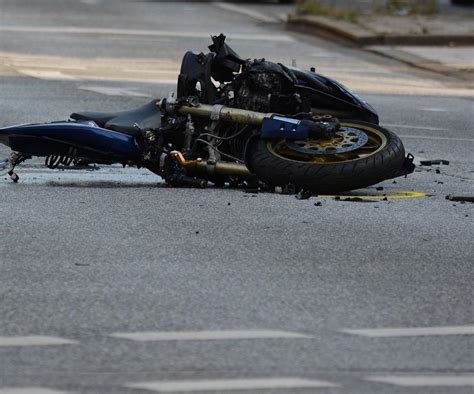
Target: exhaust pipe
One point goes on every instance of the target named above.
(201, 166)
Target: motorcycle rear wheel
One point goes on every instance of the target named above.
(337, 166)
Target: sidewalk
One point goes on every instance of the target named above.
(443, 43)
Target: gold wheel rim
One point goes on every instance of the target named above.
(376, 142)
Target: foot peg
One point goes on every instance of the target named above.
(14, 176)
(10, 164)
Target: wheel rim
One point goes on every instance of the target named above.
(345, 147)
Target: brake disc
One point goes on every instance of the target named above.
(346, 139)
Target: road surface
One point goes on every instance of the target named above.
(112, 283)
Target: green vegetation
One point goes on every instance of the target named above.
(405, 7)
(320, 8)
(391, 7)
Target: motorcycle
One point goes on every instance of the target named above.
(233, 121)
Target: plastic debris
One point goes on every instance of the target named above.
(452, 197)
(434, 162)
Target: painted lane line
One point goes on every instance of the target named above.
(141, 32)
(34, 340)
(230, 384)
(428, 380)
(411, 331)
(388, 196)
(30, 390)
(46, 74)
(246, 11)
(428, 137)
(407, 126)
(112, 91)
(434, 109)
(207, 335)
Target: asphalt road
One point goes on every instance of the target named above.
(112, 283)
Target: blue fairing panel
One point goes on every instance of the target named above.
(65, 137)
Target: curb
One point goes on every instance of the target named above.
(346, 31)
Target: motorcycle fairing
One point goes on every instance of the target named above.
(325, 94)
(194, 69)
(74, 139)
(328, 93)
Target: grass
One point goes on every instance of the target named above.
(390, 7)
(406, 7)
(320, 8)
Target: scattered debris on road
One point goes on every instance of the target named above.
(358, 199)
(452, 197)
(434, 162)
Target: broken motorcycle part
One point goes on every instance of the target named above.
(434, 162)
(233, 121)
(452, 197)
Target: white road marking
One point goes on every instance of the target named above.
(230, 384)
(429, 137)
(408, 126)
(206, 335)
(46, 74)
(111, 91)
(428, 380)
(325, 55)
(140, 32)
(434, 109)
(412, 331)
(34, 340)
(30, 390)
(246, 11)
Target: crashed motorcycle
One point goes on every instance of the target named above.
(232, 121)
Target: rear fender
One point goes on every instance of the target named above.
(75, 139)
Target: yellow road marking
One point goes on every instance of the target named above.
(389, 196)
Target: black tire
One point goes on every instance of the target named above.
(349, 173)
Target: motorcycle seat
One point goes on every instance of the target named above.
(132, 122)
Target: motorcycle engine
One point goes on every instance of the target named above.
(266, 87)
